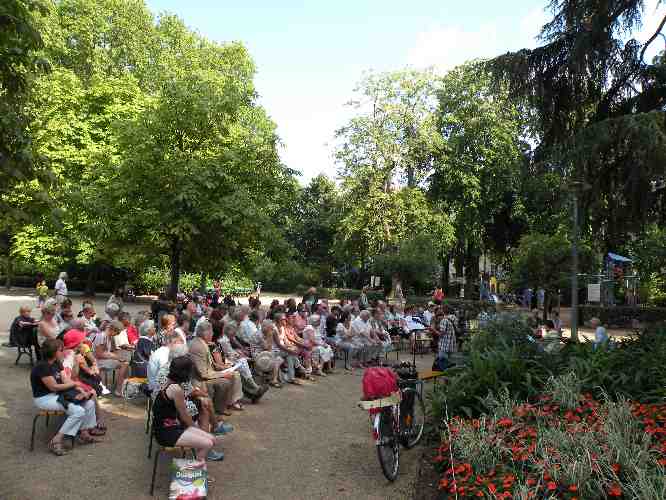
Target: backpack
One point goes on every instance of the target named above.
(379, 383)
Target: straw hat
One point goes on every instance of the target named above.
(264, 361)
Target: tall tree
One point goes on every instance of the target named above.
(20, 64)
(196, 166)
(600, 107)
(314, 221)
(391, 139)
(477, 174)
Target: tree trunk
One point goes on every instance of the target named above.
(8, 277)
(411, 178)
(471, 272)
(546, 304)
(175, 268)
(90, 282)
(202, 284)
(444, 280)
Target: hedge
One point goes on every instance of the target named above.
(73, 284)
(340, 293)
(622, 316)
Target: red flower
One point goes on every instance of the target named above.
(492, 488)
(615, 490)
(573, 488)
(505, 422)
(551, 485)
(616, 468)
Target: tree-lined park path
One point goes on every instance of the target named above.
(308, 442)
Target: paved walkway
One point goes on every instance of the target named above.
(308, 442)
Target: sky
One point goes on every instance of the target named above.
(310, 54)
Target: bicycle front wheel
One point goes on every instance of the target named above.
(412, 417)
(388, 447)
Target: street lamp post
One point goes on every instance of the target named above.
(576, 187)
(574, 270)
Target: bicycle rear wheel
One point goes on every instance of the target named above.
(388, 447)
(412, 417)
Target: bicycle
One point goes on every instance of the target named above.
(398, 419)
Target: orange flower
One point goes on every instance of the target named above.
(615, 490)
(573, 488)
(505, 422)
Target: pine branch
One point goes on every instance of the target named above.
(652, 38)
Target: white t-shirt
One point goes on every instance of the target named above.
(158, 360)
(413, 324)
(102, 339)
(121, 339)
(600, 335)
(60, 287)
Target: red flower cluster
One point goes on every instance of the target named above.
(518, 435)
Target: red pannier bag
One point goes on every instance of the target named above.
(379, 383)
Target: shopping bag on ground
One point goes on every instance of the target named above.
(189, 480)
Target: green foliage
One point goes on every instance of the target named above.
(20, 64)
(284, 276)
(648, 250)
(623, 316)
(313, 221)
(501, 358)
(634, 368)
(389, 143)
(598, 106)
(543, 260)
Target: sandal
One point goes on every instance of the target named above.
(227, 413)
(237, 407)
(57, 449)
(86, 440)
(96, 431)
(277, 385)
(101, 426)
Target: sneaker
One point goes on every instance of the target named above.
(223, 429)
(215, 456)
(105, 391)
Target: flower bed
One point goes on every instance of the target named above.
(560, 445)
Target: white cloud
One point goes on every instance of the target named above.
(444, 47)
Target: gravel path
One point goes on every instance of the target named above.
(308, 442)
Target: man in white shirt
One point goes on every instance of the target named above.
(61, 288)
(361, 329)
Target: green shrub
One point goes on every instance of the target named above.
(633, 368)
(500, 358)
(623, 316)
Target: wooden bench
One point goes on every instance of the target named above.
(433, 375)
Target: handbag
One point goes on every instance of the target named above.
(67, 397)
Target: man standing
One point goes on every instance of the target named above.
(447, 344)
(61, 288)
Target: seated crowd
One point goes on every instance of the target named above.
(204, 360)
